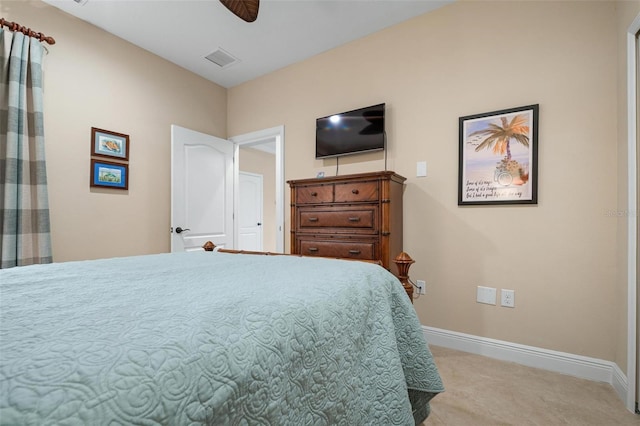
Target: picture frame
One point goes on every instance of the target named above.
(498, 157)
(106, 174)
(105, 143)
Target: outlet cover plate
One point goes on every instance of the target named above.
(508, 298)
(422, 286)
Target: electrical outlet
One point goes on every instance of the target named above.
(508, 298)
(422, 286)
(486, 295)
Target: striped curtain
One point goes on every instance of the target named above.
(24, 205)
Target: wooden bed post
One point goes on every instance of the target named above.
(403, 261)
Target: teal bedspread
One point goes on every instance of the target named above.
(210, 338)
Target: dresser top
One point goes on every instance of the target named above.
(385, 175)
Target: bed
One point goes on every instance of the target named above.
(211, 338)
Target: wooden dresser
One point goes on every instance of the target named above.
(352, 216)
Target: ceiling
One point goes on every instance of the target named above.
(286, 31)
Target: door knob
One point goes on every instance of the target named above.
(180, 230)
(259, 224)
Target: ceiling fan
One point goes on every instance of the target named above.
(247, 10)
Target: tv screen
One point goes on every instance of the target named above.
(351, 132)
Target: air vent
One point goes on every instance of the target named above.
(222, 58)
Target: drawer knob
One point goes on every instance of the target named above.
(354, 251)
(314, 194)
(354, 219)
(313, 219)
(313, 249)
(355, 191)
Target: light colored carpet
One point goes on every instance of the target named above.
(483, 391)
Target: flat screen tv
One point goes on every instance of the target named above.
(351, 132)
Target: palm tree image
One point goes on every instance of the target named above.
(498, 139)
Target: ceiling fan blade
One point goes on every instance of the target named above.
(246, 10)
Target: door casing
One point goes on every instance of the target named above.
(276, 135)
(633, 350)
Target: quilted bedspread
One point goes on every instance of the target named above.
(210, 338)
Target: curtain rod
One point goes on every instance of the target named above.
(14, 26)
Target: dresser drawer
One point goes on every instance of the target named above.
(353, 192)
(342, 249)
(361, 218)
(314, 194)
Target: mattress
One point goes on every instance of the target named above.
(211, 338)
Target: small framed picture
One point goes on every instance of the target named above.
(105, 143)
(499, 157)
(109, 175)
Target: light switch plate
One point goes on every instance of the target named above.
(486, 295)
(421, 169)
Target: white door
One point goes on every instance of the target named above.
(201, 190)
(250, 212)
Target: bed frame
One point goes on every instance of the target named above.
(403, 262)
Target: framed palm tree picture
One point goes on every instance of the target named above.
(498, 156)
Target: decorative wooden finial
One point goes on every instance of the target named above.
(403, 262)
(208, 246)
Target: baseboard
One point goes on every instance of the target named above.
(619, 382)
(560, 362)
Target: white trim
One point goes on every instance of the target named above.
(620, 383)
(632, 215)
(598, 370)
(276, 134)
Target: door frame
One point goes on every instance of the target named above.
(273, 134)
(633, 351)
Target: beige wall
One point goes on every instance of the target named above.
(95, 79)
(560, 256)
(563, 257)
(263, 163)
